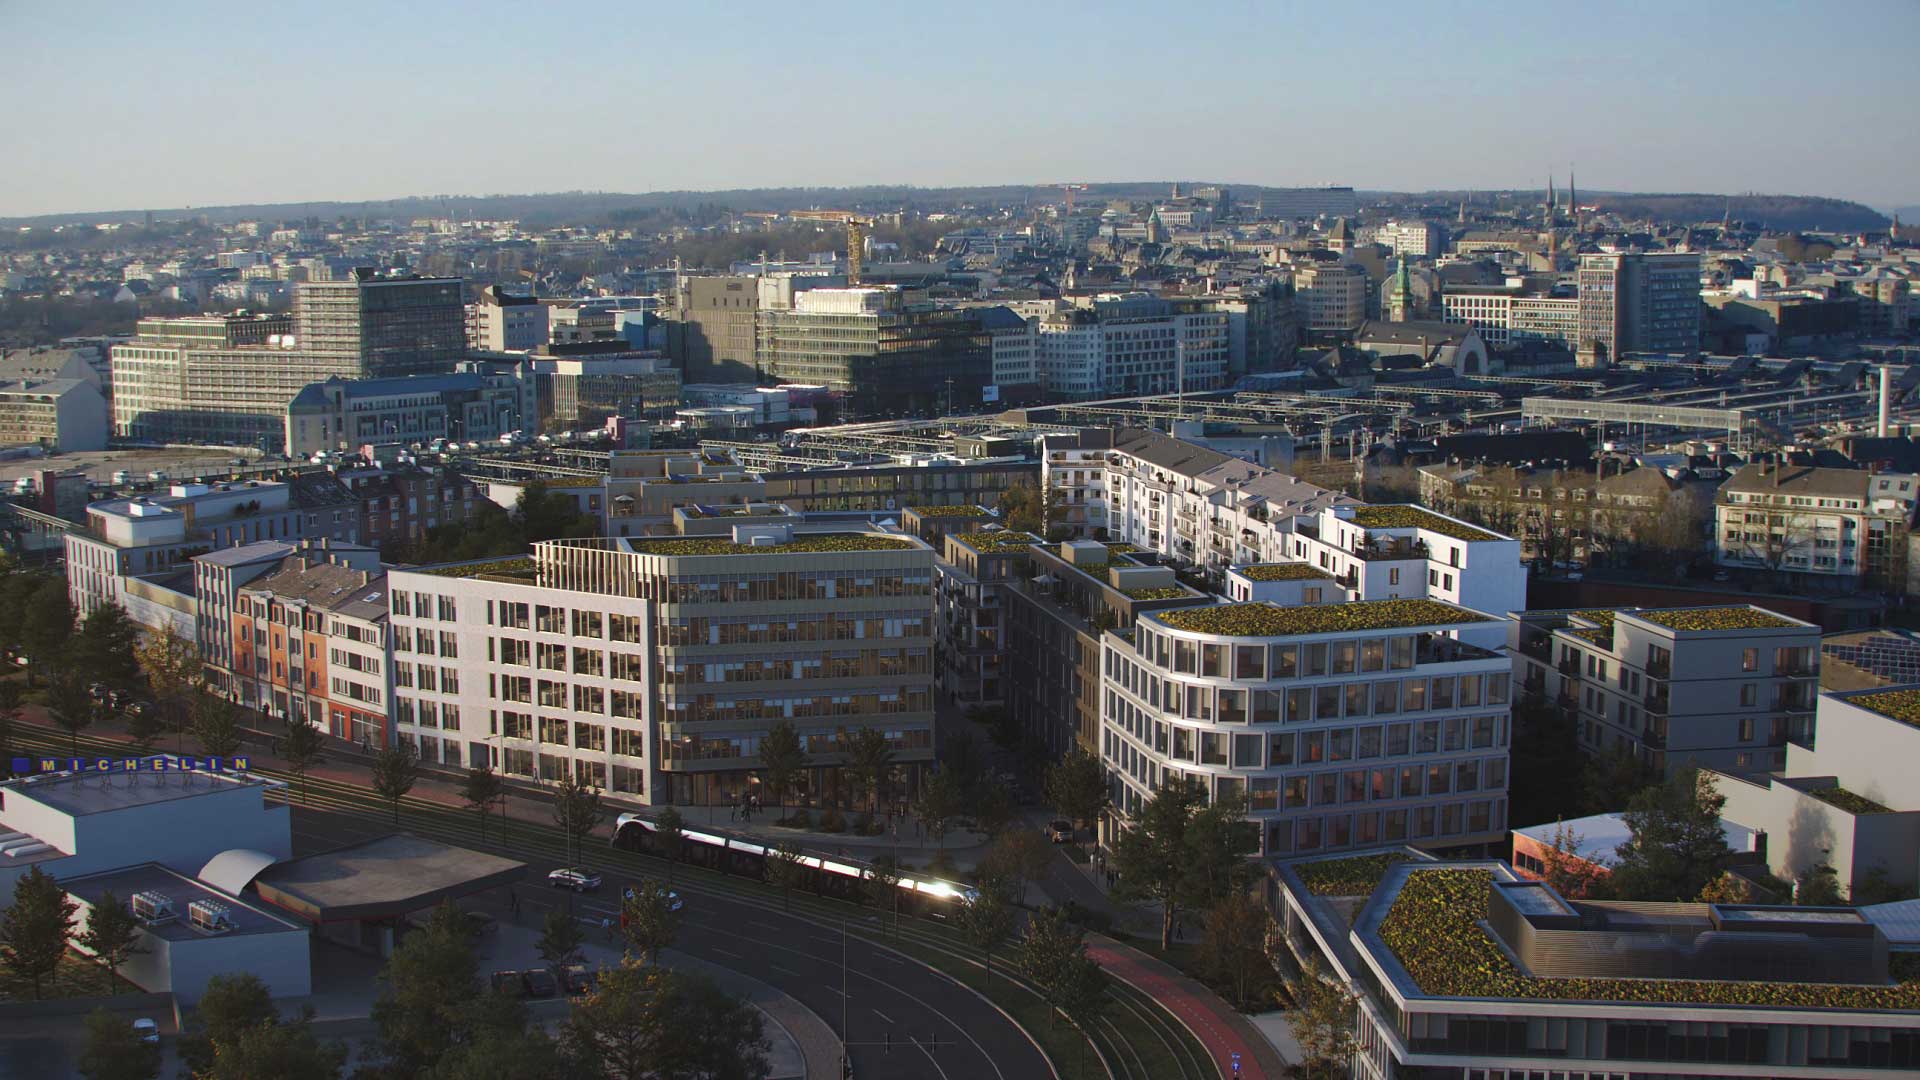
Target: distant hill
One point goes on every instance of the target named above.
(1797, 212)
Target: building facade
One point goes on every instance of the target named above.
(1833, 523)
(1639, 302)
(877, 352)
(478, 404)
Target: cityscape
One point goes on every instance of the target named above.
(799, 592)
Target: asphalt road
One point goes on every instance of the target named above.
(936, 1027)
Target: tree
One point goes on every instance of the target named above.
(1018, 858)
(560, 941)
(1179, 853)
(304, 746)
(112, 935)
(650, 918)
(1728, 888)
(71, 705)
(1077, 788)
(1233, 947)
(1323, 1021)
(648, 1023)
(216, 725)
(429, 995)
(34, 930)
(11, 694)
(105, 648)
(46, 622)
(1053, 956)
(230, 1005)
(1023, 508)
(576, 810)
(993, 809)
(937, 804)
(1818, 887)
(172, 664)
(986, 917)
(144, 728)
(283, 1050)
(1675, 846)
(868, 759)
(670, 833)
(395, 771)
(1606, 776)
(962, 757)
(1563, 868)
(783, 759)
(483, 788)
(114, 1051)
(784, 871)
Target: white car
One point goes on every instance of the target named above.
(148, 1031)
(577, 880)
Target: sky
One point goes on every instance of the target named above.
(124, 105)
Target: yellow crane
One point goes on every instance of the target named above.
(856, 235)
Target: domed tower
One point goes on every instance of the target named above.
(1399, 302)
(1156, 230)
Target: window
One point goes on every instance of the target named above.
(1749, 694)
(1746, 729)
(1749, 661)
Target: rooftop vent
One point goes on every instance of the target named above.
(153, 908)
(210, 916)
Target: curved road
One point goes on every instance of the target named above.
(936, 1027)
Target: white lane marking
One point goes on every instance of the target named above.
(884, 1018)
(784, 971)
(724, 952)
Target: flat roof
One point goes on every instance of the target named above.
(382, 878)
(82, 793)
(182, 890)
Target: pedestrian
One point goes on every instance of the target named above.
(606, 927)
(731, 812)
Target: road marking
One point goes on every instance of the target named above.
(766, 926)
(724, 952)
(884, 1018)
(784, 971)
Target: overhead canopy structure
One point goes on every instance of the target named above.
(384, 878)
(234, 869)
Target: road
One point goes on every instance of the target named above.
(936, 1027)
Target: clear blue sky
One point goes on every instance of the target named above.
(131, 105)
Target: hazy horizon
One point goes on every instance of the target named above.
(352, 102)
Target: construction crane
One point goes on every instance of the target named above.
(856, 235)
(1069, 189)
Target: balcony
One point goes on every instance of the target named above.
(1660, 667)
(1652, 739)
(1566, 699)
(1569, 666)
(1539, 648)
(1797, 669)
(1658, 704)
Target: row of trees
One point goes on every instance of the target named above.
(41, 924)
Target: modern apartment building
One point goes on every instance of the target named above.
(1835, 523)
(1342, 725)
(499, 321)
(1465, 970)
(226, 380)
(1639, 302)
(878, 352)
(973, 578)
(1717, 687)
(623, 660)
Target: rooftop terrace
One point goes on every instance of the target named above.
(1417, 517)
(999, 540)
(1261, 619)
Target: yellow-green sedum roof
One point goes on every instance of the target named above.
(1261, 619)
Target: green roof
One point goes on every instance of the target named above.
(1291, 571)
(1161, 592)
(1902, 705)
(1727, 617)
(1416, 517)
(804, 543)
(1261, 619)
(1353, 876)
(1433, 930)
(1846, 800)
(998, 540)
(950, 511)
(519, 566)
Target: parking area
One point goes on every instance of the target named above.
(177, 463)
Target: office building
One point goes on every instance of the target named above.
(499, 321)
(1506, 314)
(478, 403)
(1296, 204)
(1638, 302)
(1420, 239)
(1834, 523)
(1342, 725)
(714, 336)
(628, 661)
(1719, 687)
(879, 353)
(226, 380)
(584, 389)
(1016, 347)
(1464, 969)
(1123, 344)
(1331, 296)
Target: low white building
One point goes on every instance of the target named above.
(1835, 523)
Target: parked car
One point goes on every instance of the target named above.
(147, 1030)
(509, 983)
(578, 880)
(580, 979)
(97, 691)
(1060, 831)
(540, 983)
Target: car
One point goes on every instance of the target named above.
(540, 982)
(1722, 575)
(147, 1030)
(509, 983)
(580, 979)
(140, 710)
(577, 880)
(674, 903)
(97, 691)
(1060, 831)
(122, 477)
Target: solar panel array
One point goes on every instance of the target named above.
(1892, 657)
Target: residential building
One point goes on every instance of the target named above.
(499, 321)
(1015, 340)
(1342, 725)
(1717, 687)
(282, 626)
(1133, 343)
(623, 660)
(1421, 239)
(1464, 969)
(1639, 302)
(219, 577)
(972, 582)
(396, 506)
(61, 415)
(479, 403)
(1834, 523)
(878, 352)
(1844, 797)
